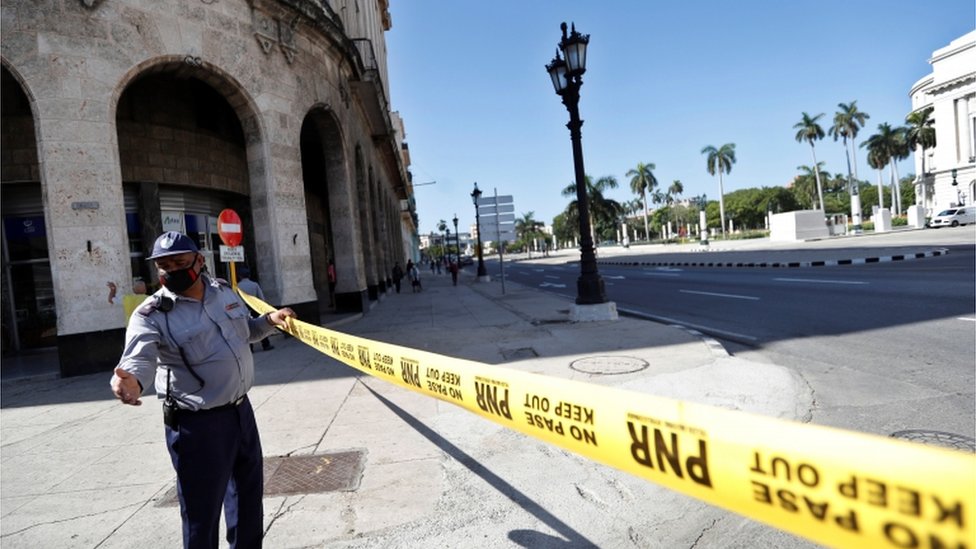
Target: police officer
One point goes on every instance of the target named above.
(192, 338)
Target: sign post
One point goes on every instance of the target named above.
(499, 209)
(231, 234)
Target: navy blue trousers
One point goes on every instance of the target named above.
(217, 458)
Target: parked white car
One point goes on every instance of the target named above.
(953, 217)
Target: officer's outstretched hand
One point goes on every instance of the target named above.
(281, 316)
(126, 387)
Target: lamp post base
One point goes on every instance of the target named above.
(593, 313)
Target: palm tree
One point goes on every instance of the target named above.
(854, 121)
(642, 180)
(602, 209)
(720, 160)
(921, 134)
(842, 129)
(890, 145)
(805, 185)
(674, 191)
(877, 158)
(526, 227)
(900, 151)
(810, 131)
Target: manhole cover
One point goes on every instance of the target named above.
(937, 438)
(608, 365)
(336, 472)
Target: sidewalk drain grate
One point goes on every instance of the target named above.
(609, 365)
(291, 475)
(937, 438)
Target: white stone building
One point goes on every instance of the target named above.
(951, 91)
(124, 118)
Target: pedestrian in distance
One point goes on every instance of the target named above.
(129, 301)
(453, 267)
(397, 275)
(414, 273)
(251, 287)
(433, 267)
(191, 340)
(331, 273)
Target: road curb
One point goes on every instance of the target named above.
(781, 264)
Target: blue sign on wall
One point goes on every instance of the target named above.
(18, 228)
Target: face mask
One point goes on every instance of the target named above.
(179, 280)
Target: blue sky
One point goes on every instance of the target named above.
(663, 80)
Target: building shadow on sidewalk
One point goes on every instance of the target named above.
(525, 538)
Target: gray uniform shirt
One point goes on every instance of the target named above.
(214, 336)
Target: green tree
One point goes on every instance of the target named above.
(562, 230)
(674, 193)
(810, 131)
(720, 161)
(853, 120)
(528, 229)
(805, 185)
(604, 212)
(891, 145)
(642, 181)
(921, 135)
(877, 159)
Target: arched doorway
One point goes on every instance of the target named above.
(183, 158)
(330, 203)
(27, 292)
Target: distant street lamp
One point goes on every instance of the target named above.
(475, 195)
(457, 241)
(567, 77)
(956, 185)
(447, 244)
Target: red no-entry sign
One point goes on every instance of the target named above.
(229, 228)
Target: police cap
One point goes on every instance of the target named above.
(172, 243)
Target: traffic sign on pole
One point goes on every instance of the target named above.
(231, 233)
(229, 227)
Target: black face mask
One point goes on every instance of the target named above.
(179, 280)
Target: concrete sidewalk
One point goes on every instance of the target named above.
(79, 469)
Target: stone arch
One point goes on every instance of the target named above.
(28, 303)
(378, 247)
(363, 188)
(203, 146)
(330, 198)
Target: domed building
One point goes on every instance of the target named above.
(950, 91)
(122, 119)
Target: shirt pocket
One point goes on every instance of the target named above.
(236, 322)
(194, 343)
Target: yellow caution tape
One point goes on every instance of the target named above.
(839, 488)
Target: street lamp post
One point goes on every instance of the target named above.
(475, 195)
(457, 241)
(956, 185)
(447, 244)
(567, 77)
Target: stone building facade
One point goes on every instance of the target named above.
(951, 91)
(125, 118)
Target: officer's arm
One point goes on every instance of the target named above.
(137, 367)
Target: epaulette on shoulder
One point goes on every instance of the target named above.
(222, 282)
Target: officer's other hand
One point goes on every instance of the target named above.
(126, 387)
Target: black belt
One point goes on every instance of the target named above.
(171, 414)
(232, 404)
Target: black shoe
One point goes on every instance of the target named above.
(269, 347)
